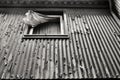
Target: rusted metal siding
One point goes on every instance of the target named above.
(92, 51)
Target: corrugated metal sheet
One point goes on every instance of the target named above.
(116, 5)
(92, 51)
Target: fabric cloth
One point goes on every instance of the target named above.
(33, 18)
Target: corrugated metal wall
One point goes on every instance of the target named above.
(116, 7)
(92, 51)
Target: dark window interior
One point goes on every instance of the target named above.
(51, 27)
(48, 28)
(51, 12)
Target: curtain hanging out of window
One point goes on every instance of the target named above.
(33, 18)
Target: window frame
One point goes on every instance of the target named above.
(62, 34)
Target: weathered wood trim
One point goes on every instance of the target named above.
(26, 29)
(65, 23)
(38, 36)
(31, 30)
(61, 25)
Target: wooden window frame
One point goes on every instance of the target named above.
(62, 35)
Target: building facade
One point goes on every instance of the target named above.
(86, 43)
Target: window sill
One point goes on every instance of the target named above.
(40, 36)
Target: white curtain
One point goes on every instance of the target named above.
(33, 18)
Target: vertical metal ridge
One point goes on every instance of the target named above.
(103, 46)
(112, 50)
(43, 59)
(89, 49)
(39, 60)
(27, 58)
(107, 41)
(94, 49)
(99, 49)
(56, 59)
(85, 47)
